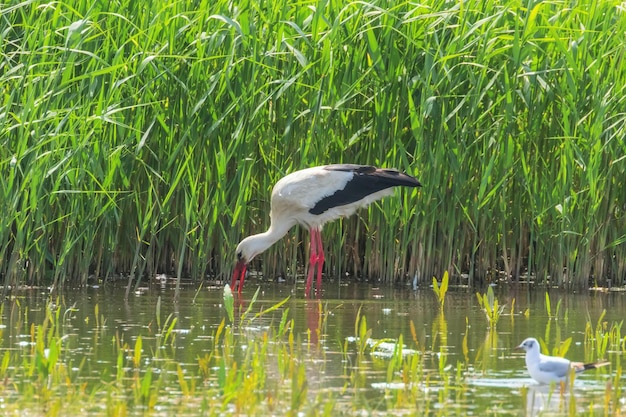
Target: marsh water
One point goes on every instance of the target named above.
(468, 366)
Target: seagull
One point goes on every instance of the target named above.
(547, 369)
(312, 197)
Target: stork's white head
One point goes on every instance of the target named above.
(246, 250)
(530, 345)
(256, 244)
(249, 248)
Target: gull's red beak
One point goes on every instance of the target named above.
(238, 275)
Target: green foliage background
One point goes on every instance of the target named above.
(144, 137)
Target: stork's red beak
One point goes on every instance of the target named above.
(238, 275)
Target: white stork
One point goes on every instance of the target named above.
(311, 197)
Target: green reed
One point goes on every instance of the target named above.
(557, 310)
(145, 138)
(603, 337)
(441, 290)
(490, 305)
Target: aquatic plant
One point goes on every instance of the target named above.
(363, 334)
(560, 348)
(489, 303)
(229, 303)
(440, 291)
(549, 307)
(263, 365)
(603, 337)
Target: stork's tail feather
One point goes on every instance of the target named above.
(580, 367)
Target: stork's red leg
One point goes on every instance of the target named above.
(320, 260)
(312, 259)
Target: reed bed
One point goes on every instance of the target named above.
(144, 137)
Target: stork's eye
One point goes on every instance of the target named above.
(239, 255)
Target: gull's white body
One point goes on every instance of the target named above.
(548, 369)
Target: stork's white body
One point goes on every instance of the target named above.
(314, 196)
(297, 193)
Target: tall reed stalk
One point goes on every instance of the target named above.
(144, 137)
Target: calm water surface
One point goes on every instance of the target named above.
(493, 374)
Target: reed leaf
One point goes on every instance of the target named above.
(145, 139)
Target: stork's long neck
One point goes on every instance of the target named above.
(262, 241)
(274, 233)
